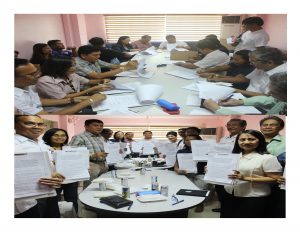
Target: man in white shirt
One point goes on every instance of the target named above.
(171, 43)
(254, 37)
(28, 129)
(234, 127)
(148, 144)
(267, 61)
(213, 56)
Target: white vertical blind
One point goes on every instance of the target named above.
(134, 26)
(184, 27)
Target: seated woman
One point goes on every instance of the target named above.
(59, 81)
(41, 53)
(109, 55)
(276, 103)
(240, 65)
(123, 45)
(143, 43)
(248, 197)
(27, 100)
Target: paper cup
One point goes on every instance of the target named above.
(148, 94)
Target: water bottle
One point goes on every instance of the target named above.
(154, 183)
(143, 169)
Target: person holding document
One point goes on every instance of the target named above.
(28, 129)
(57, 138)
(92, 139)
(196, 178)
(248, 197)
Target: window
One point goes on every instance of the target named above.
(159, 132)
(184, 27)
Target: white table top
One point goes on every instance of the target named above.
(173, 91)
(165, 177)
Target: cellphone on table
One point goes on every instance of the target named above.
(161, 65)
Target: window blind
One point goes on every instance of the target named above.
(159, 132)
(184, 27)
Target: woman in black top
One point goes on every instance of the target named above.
(123, 45)
(239, 65)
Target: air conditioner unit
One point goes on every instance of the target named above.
(230, 26)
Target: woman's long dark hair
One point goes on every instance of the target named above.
(37, 55)
(118, 139)
(121, 39)
(57, 67)
(49, 133)
(261, 148)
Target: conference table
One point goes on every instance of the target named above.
(172, 86)
(174, 90)
(139, 209)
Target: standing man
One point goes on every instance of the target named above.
(234, 127)
(28, 129)
(91, 139)
(254, 36)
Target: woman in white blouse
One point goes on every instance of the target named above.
(248, 197)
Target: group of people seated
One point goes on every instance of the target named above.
(254, 194)
(67, 81)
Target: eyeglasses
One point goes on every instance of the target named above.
(175, 200)
(272, 125)
(33, 124)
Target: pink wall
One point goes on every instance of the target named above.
(75, 124)
(95, 26)
(36, 28)
(77, 29)
(276, 26)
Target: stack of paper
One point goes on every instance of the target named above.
(213, 91)
(184, 74)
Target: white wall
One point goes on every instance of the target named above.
(36, 28)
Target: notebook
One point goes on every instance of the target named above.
(116, 201)
(192, 192)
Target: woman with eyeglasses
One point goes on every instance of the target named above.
(248, 197)
(57, 138)
(59, 81)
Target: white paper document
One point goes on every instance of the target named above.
(181, 49)
(244, 109)
(170, 150)
(116, 102)
(183, 74)
(238, 96)
(192, 87)
(123, 88)
(186, 162)
(73, 164)
(29, 168)
(120, 111)
(201, 149)
(114, 155)
(148, 94)
(193, 100)
(219, 166)
(132, 73)
(213, 91)
(149, 51)
(200, 111)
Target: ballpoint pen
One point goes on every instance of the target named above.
(178, 202)
(129, 207)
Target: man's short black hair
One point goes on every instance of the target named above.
(147, 131)
(90, 121)
(243, 123)
(253, 20)
(86, 49)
